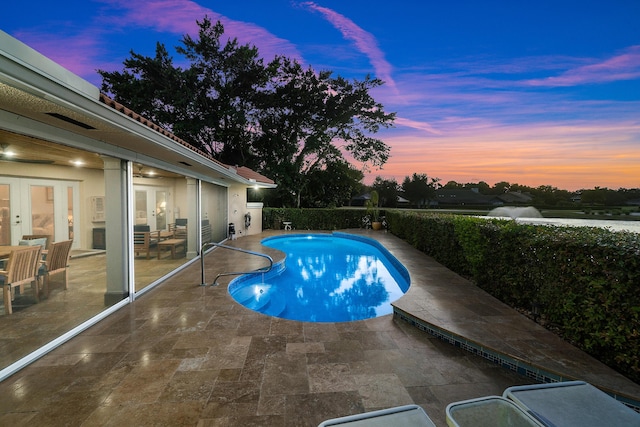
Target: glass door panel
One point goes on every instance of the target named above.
(42, 212)
(5, 215)
(156, 206)
(43, 203)
(70, 210)
(152, 206)
(214, 210)
(161, 210)
(141, 207)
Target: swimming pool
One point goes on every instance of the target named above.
(335, 277)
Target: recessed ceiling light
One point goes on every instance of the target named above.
(77, 162)
(6, 151)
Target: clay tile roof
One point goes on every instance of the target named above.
(247, 173)
(244, 172)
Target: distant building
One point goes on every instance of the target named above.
(464, 197)
(360, 200)
(516, 198)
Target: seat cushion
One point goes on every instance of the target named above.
(34, 242)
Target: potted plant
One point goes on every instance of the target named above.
(373, 211)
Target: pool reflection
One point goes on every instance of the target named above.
(341, 280)
(328, 287)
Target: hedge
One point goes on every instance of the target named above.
(585, 282)
(313, 219)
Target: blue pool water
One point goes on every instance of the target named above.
(335, 277)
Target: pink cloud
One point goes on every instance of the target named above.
(78, 53)
(81, 51)
(364, 41)
(625, 66)
(179, 17)
(414, 124)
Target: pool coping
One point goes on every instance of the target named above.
(537, 373)
(453, 309)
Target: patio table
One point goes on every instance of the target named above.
(5, 251)
(171, 244)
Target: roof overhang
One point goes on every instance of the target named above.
(42, 100)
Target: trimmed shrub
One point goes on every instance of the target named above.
(313, 219)
(584, 281)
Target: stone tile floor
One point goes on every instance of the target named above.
(184, 354)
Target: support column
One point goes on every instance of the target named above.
(117, 236)
(193, 215)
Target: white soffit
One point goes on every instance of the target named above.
(32, 59)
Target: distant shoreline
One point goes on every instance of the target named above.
(613, 225)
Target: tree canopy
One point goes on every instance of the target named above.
(419, 189)
(291, 123)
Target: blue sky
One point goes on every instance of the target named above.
(535, 93)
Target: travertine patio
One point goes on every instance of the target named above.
(184, 354)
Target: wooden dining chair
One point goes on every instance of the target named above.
(56, 262)
(22, 268)
(144, 240)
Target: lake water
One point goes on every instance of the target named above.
(633, 226)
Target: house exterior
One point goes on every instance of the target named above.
(516, 198)
(77, 165)
(472, 197)
(463, 197)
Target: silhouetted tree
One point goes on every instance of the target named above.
(420, 189)
(387, 190)
(285, 121)
(306, 115)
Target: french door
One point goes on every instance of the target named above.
(38, 206)
(151, 204)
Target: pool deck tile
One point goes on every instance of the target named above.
(185, 354)
(453, 304)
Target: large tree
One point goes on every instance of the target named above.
(211, 104)
(289, 122)
(311, 120)
(155, 88)
(388, 190)
(230, 80)
(420, 189)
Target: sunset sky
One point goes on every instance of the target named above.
(534, 93)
